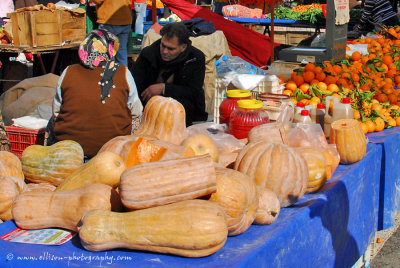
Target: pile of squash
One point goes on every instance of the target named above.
(159, 190)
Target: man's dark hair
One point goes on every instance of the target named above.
(178, 29)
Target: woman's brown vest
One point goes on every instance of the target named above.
(83, 117)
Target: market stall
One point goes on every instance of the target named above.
(324, 220)
(331, 228)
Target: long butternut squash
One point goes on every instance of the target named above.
(192, 228)
(40, 209)
(105, 167)
(164, 182)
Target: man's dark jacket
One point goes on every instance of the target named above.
(187, 86)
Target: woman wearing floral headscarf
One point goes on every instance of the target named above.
(95, 100)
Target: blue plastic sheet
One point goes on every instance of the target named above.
(331, 228)
(389, 196)
(260, 21)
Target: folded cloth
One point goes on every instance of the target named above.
(30, 122)
(199, 26)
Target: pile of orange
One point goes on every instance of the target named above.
(372, 82)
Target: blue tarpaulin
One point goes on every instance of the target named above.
(389, 194)
(331, 228)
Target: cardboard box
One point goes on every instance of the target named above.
(47, 28)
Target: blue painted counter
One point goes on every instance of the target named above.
(389, 194)
(266, 21)
(329, 229)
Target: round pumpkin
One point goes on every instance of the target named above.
(276, 167)
(237, 195)
(268, 206)
(271, 132)
(53, 163)
(350, 140)
(202, 144)
(164, 119)
(10, 165)
(316, 163)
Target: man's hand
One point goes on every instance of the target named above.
(357, 28)
(153, 90)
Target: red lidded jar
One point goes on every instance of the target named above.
(248, 114)
(229, 104)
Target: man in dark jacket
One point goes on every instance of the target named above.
(172, 67)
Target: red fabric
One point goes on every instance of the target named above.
(243, 42)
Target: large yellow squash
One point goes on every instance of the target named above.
(53, 163)
(105, 167)
(192, 228)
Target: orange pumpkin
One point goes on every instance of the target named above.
(316, 163)
(237, 195)
(202, 144)
(10, 165)
(164, 119)
(272, 132)
(144, 151)
(276, 167)
(10, 188)
(268, 206)
(350, 140)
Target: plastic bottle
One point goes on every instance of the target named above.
(340, 110)
(317, 115)
(230, 103)
(248, 114)
(237, 65)
(299, 107)
(222, 66)
(303, 117)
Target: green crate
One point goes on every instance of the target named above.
(134, 43)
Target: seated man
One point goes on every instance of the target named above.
(172, 67)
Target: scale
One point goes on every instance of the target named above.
(335, 39)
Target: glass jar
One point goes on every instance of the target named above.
(248, 114)
(229, 104)
(274, 104)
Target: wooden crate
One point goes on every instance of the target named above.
(294, 38)
(46, 28)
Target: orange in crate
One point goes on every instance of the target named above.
(21, 138)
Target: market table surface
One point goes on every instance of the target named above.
(331, 228)
(389, 195)
(277, 22)
(37, 51)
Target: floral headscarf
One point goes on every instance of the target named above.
(99, 49)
